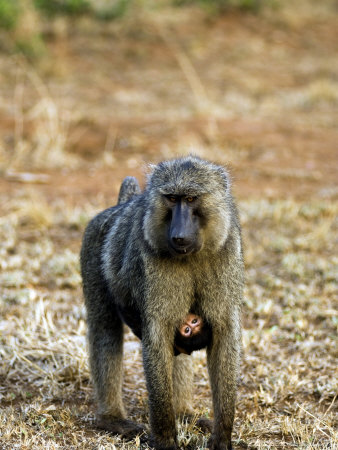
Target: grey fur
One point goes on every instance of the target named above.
(126, 266)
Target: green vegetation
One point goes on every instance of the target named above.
(12, 10)
(223, 5)
(9, 13)
(113, 10)
(71, 7)
(23, 19)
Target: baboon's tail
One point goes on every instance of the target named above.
(129, 188)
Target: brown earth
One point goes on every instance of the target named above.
(257, 92)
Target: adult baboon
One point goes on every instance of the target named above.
(150, 261)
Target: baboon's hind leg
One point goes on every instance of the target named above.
(105, 333)
(182, 381)
(183, 392)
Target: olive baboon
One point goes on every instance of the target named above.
(150, 261)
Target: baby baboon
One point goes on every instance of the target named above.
(158, 256)
(191, 326)
(193, 334)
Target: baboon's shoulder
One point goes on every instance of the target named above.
(125, 214)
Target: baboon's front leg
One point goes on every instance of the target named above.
(223, 366)
(105, 335)
(158, 366)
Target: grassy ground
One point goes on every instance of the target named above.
(259, 92)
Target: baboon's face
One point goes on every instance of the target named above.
(187, 208)
(183, 223)
(191, 326)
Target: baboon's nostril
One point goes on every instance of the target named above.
(181, 242)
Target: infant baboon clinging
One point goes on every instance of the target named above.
(158, 256)
(193, 334)
(191, 325)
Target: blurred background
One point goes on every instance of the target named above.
(92, 91)
(113, 84)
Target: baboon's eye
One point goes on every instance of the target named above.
(194, 321)
(190, 199)
(171, 198)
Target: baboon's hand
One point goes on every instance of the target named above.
(157, 447)
(125, 428)
(216, 444)
(158, 443)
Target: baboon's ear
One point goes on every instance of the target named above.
(224, 174)
(148, 170)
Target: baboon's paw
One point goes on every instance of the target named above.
(125, 428)
(217, 444)
(162, 446)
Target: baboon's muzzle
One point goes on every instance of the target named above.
(182, 231)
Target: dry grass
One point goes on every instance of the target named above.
(44, 146)
(259, 92)
(287, 396)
